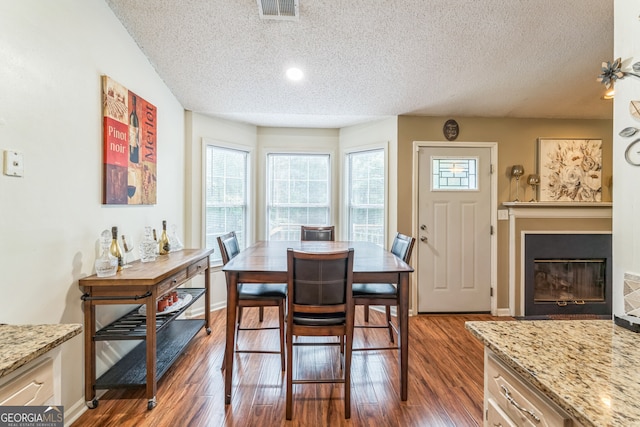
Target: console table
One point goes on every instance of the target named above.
(163, 337)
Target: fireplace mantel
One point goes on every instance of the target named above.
(544, 210)
(559, 209)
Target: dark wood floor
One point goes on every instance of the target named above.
(445, 382)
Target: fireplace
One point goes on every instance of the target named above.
(567, 274)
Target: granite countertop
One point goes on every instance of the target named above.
(20, 344)
(588, 367)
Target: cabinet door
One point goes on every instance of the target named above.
(496, 417)
(33, 388)
(519, 400)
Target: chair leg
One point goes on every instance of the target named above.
(224, 359)
(388, 312)
(289, 376)
(261, 314)
(347, 375)
(281, 319)
(366, 313)
(238, 325)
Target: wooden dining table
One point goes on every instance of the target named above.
(266, 262)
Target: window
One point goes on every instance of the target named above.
(225, 195)
(297, 193)
(454, 174)
(366, 196)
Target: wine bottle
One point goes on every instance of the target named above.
(163, 245)
(115, 247)
(134, 134)
(124, 244)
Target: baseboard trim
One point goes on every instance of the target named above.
(503, 312)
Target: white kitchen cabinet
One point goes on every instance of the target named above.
(511, 401)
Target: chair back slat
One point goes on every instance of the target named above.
(319, 280)
(229, 246)
(311, 233)
(403, 246)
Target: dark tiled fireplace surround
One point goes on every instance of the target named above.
(545, 254)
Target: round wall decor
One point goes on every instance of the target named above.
(451, 130)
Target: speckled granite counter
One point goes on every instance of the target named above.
(590, 368)
(20, 344)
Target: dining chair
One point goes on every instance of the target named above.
(386, 294)
(254, 295)
(324, 233)
(320, 305)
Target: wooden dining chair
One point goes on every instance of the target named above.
(386, 294)
(320, 304)
(254, 295)
(324, 233)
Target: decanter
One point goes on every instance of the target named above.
(174, 240)
(106, 265)
(148, 246)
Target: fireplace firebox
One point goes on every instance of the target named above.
(567, 274)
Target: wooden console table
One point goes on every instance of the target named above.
(163, 338)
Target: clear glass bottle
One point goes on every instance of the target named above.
(174, 240)
(106, 265)
(163, 245)
(148, 246)
(115, 247)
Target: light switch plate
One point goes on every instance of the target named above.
(13, 163)
(503, 214)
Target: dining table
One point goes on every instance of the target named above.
(266, 262)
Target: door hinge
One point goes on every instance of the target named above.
(491, 169)
(486, 414)
(491, 230)
(490, 292)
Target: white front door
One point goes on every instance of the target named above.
(454, 221)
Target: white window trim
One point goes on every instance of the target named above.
(250, 220)
(344, 181)
(265, 186)
(449, 189)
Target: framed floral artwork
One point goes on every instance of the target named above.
(570, 170)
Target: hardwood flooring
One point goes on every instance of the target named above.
(445, 381)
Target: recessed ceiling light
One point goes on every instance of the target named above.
(294, 74)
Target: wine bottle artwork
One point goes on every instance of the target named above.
(134, 134)
(131, 182)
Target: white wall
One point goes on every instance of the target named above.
(53, 54)
(626, 182)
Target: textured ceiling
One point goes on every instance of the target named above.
(366, 59)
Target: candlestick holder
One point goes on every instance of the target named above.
(516, 172)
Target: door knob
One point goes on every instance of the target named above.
(424, 239)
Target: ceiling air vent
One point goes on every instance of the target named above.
(278, 9)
